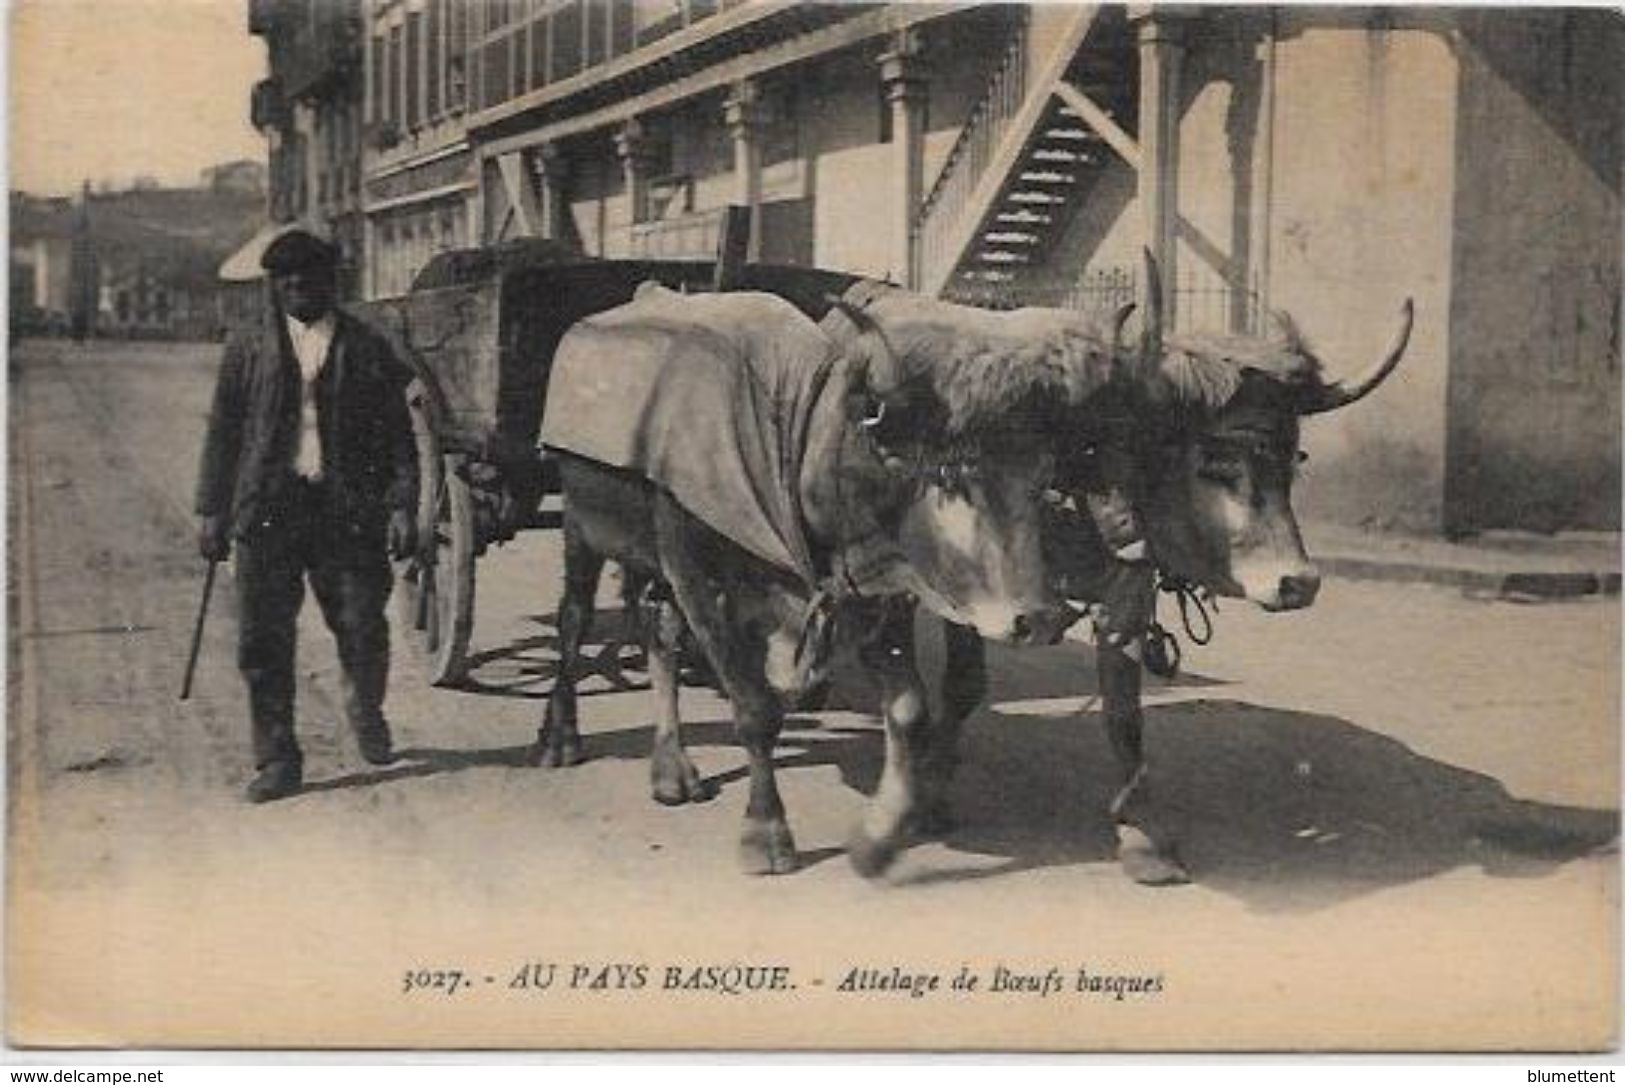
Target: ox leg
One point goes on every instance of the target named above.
(898, 802)
(964, 687)
(766, 845)
(673, 779)
(694, 564)
(636, 618)
(558, 743)
(1146, 852)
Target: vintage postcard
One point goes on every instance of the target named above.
(725, 524)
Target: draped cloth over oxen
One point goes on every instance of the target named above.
(706, 395)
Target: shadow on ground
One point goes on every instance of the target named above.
(1284, 810)
(526, 668)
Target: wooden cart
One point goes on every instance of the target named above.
(478, 330)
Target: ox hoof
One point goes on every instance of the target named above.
(767, 848)
(553, 751)
(873, 856)
(674, 785)
(1147, 863)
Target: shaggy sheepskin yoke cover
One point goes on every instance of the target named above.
(706, 395)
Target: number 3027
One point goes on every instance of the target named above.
(422, 980)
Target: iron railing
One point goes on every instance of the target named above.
(941, 211)
(1204, 299)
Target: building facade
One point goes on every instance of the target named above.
(309, 108)
(1328, 162)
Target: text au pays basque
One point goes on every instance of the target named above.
(735, 979)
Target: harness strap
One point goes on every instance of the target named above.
(1191, 596)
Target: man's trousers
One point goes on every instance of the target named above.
(351, 583)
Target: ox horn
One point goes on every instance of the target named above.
(1342, 393)
(1151, 323)
(1119, 320)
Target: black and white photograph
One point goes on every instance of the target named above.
(749, 525)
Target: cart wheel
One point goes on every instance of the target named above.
(436, 588)
(444, 617)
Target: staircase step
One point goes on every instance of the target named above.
(1072, 135)
(1046, 177)
(1010, 237)
(998, 256)
(1046, 198)
(1024, 217)
(988, 276)
(1054, 154)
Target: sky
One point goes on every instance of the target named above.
(110, 90)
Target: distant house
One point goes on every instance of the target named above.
(244, 177)
(139, 262)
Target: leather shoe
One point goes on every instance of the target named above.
(276, 780)
(375, 745)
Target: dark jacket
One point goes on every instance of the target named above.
(369, 459)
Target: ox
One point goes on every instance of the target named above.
(1207, 442)
(772, 479)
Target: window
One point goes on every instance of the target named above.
(620, 26)
(457, 15)
(540, 38)
(597, 33)
(566, 40)
(414, 69)
(436, 35)
(380, 84)
(494, 60)
(396, 49)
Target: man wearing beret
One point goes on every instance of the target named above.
(309, 470)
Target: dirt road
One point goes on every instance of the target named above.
(1400, 809)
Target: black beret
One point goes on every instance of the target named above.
(296, 250)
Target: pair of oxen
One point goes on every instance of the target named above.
(931, 452)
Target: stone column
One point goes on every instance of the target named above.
(632, 147)
(1162, 54)
(902, 74)
(743, 114)
(552, 171)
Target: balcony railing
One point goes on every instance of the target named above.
(267, 108)
(942, 210)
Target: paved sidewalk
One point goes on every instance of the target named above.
(1502, 564)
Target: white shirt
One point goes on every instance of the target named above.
(311, 344)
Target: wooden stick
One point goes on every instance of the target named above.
(197, 631)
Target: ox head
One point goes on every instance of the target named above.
(952, 457)
(1216, 491)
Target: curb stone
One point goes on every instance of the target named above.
(1531, 586)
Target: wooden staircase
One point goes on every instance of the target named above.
(1029, 156)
